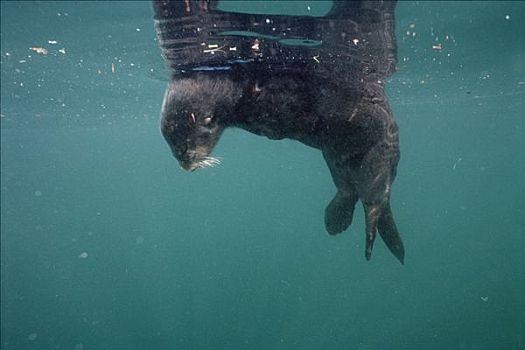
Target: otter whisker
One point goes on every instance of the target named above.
(213, 160)
(208, 162)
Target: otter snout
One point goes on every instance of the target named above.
(187, 161)
(192, 160)
(188, 167)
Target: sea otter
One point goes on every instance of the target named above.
(318, 80)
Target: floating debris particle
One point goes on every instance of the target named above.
(7, 54)
(285, 282)
(112, 67)
(233, 48)
(355, 41)
(138, 29)
(38, 193)
(507, 17)
(213, 48)
(83, 255)
(62, 51)
(485, 299)
(412, 25)
(52, 42)
(32, 336)
(456, 163)
(437, 47)
(255, 45)
(308, 8)
(39, 50)
(316, 59)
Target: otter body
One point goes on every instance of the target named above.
(344, 114)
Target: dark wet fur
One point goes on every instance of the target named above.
(329, 96)
(351, 124)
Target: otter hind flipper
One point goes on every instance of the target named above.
(371, 219)
(339, 213)
(388, 231)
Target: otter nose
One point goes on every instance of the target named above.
(188, 166)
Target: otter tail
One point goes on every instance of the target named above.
(388, 231)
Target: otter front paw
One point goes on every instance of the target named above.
(339, 213)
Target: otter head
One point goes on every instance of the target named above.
(193, 117)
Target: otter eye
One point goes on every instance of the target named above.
(207, 121)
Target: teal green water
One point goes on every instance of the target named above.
(106, 244)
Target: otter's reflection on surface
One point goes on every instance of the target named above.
(318, 80)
